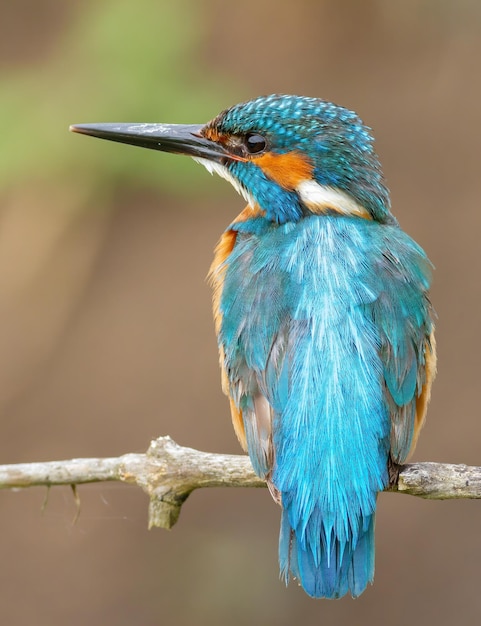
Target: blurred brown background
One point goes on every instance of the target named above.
(106, 335)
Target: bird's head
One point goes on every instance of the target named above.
(290, 155)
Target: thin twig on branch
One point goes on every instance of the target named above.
(168, 473)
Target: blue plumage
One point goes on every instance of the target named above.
(307, 313)
(323, 320)
(336, 140)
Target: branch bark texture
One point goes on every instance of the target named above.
(168, 473)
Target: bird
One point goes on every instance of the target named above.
(323, 318)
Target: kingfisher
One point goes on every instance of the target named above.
(323, 319)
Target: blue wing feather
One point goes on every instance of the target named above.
(327, 318)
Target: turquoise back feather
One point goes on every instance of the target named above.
(322, 319)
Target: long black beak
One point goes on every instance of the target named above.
(176, 138)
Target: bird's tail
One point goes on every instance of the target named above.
(329, 569)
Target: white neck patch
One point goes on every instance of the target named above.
(319, 198)
(213, 167)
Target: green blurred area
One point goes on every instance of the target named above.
(114, 61)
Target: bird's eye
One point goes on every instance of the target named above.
(255, 143)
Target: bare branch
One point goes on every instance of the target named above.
(168, 473)
(439, 481)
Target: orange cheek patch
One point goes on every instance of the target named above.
(211, 132)
(287, 170)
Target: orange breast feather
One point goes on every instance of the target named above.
(216, 278)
